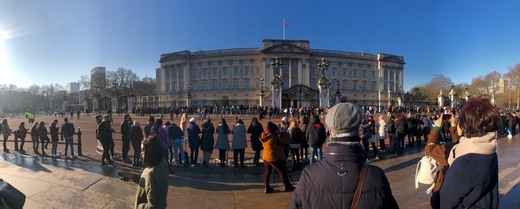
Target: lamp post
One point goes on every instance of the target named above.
(277, 82)
(323, 84)
(188, 97)
(338, 94)
(64, 107)
(262, 94)
(116, 94)
(399, 97)
(389, 98)
(466, 95)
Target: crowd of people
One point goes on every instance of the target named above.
(39, 133)
(462, 140)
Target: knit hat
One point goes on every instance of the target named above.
(192, 120)
(344, 119)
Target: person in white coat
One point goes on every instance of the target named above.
(381, 132)
(239, 143)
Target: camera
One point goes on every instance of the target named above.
(446, 116)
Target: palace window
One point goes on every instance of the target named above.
(354, 85)
(235, 84)
(224, 85)
(235, 71)
(246, 84)
(364, 73)
(345, 72)
(204, 86)
(354, 73)
(257, 70)
(246, 70)
(215, 72)
(167, 74)
(204, 72)
(364, 86)
(194, 86)
(224, 72)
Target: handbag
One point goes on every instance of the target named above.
(10, 197)
(359, 188)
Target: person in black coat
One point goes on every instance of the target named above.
(316, 137)
(255, 129)
(401, 128)
(332, 182)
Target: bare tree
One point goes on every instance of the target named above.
(514, 80)
(145, 87)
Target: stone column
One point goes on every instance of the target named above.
(324, 96)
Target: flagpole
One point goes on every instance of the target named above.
(283, 27)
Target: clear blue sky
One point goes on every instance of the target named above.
(56, 41)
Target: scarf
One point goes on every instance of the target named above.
(486, 144)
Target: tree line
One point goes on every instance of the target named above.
(505, 88)
(50, 97)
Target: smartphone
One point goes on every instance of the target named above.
(446, 116)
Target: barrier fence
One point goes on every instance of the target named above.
(78, 143)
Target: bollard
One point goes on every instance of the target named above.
(80, 152)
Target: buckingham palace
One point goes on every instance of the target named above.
(281, 73)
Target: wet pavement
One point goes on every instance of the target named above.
(85, 183)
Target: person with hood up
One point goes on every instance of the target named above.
(274, 156)
(332, 182)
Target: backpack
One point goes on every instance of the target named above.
(426, 172)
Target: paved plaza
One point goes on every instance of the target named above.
(85, 183)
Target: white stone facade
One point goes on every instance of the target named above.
(233, 76)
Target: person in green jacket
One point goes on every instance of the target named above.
(152, 188)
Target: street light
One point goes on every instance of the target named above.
(466, 95)
(323, 65)
(188, 97)
(338, 94)
(116, 94)
(262, 92)
(276, 62)
(323, 84)
(277, 82)
(399, 97)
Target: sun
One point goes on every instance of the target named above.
(4, 35)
